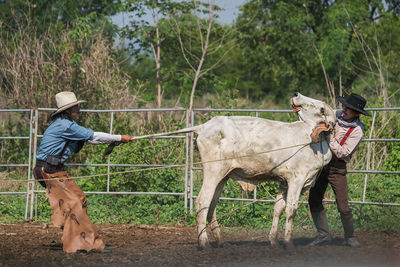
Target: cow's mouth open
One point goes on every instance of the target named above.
(295, 108)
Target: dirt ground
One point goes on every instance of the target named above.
(33, 244)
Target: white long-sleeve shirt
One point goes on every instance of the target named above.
(104, 138)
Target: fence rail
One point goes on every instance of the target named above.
(188, 165)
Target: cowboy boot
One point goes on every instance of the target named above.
(321, 223)
(347, 221)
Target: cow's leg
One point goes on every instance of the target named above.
(212, 213)
(203, 202)
(213, 175)
(292, 204)
(279, 207)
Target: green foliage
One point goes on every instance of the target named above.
(136, 209)
(173, 21)
(12, 208)
(151, 209)
(393, 160)
(289, 44)
(55, 15)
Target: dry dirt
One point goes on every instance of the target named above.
(33, 244)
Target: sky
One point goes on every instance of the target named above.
(226, 16)
(231, 10)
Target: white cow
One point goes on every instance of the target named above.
(253, 150)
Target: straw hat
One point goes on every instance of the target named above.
(65, 100)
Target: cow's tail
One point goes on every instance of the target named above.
(194, 129)
(111, 146)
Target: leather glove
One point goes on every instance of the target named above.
(126, 138)
(320, 127)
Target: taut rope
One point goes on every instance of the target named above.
(164, 167)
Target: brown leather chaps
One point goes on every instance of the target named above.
(68, 203)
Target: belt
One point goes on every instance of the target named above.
(42, 163)
(47, 167)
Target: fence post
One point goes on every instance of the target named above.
(187, 140)
(191, 161)
(35, 133)
(31, 183)
(109, 156)
(255, 189)
(368, 157)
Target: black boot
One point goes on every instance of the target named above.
(347, 222)
(321, 223)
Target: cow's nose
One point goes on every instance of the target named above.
(296, 94)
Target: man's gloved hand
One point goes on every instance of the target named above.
(320, 127)
(126, 138)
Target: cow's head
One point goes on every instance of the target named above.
(314, 112)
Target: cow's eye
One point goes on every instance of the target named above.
(322, 111)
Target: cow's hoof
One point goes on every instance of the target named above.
(220, 244)
(203, 244)
(275, 244)
(289, 245)
(205, 247)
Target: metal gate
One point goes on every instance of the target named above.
(188, 193)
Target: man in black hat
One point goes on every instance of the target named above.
(342, 142)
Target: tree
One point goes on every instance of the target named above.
(310, 44)
(208, 43)
(34, 67)
(60, 13)
(32, 21)
(147, 36)
(180, 34)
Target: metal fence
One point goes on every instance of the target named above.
(189, 169)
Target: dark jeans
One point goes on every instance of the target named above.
(37, 174)
(37, 171)
(334, 174)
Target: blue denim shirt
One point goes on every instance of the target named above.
(56, 136)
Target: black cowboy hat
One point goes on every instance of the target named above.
(354, 102)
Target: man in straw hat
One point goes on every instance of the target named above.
(60, 140)
(343, 142)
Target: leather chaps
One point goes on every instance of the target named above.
(68, 203)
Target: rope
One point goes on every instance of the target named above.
(95, 175)
(185, 130)
(183, 165)
(163, 167)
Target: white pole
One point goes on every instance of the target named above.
(368, 157)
